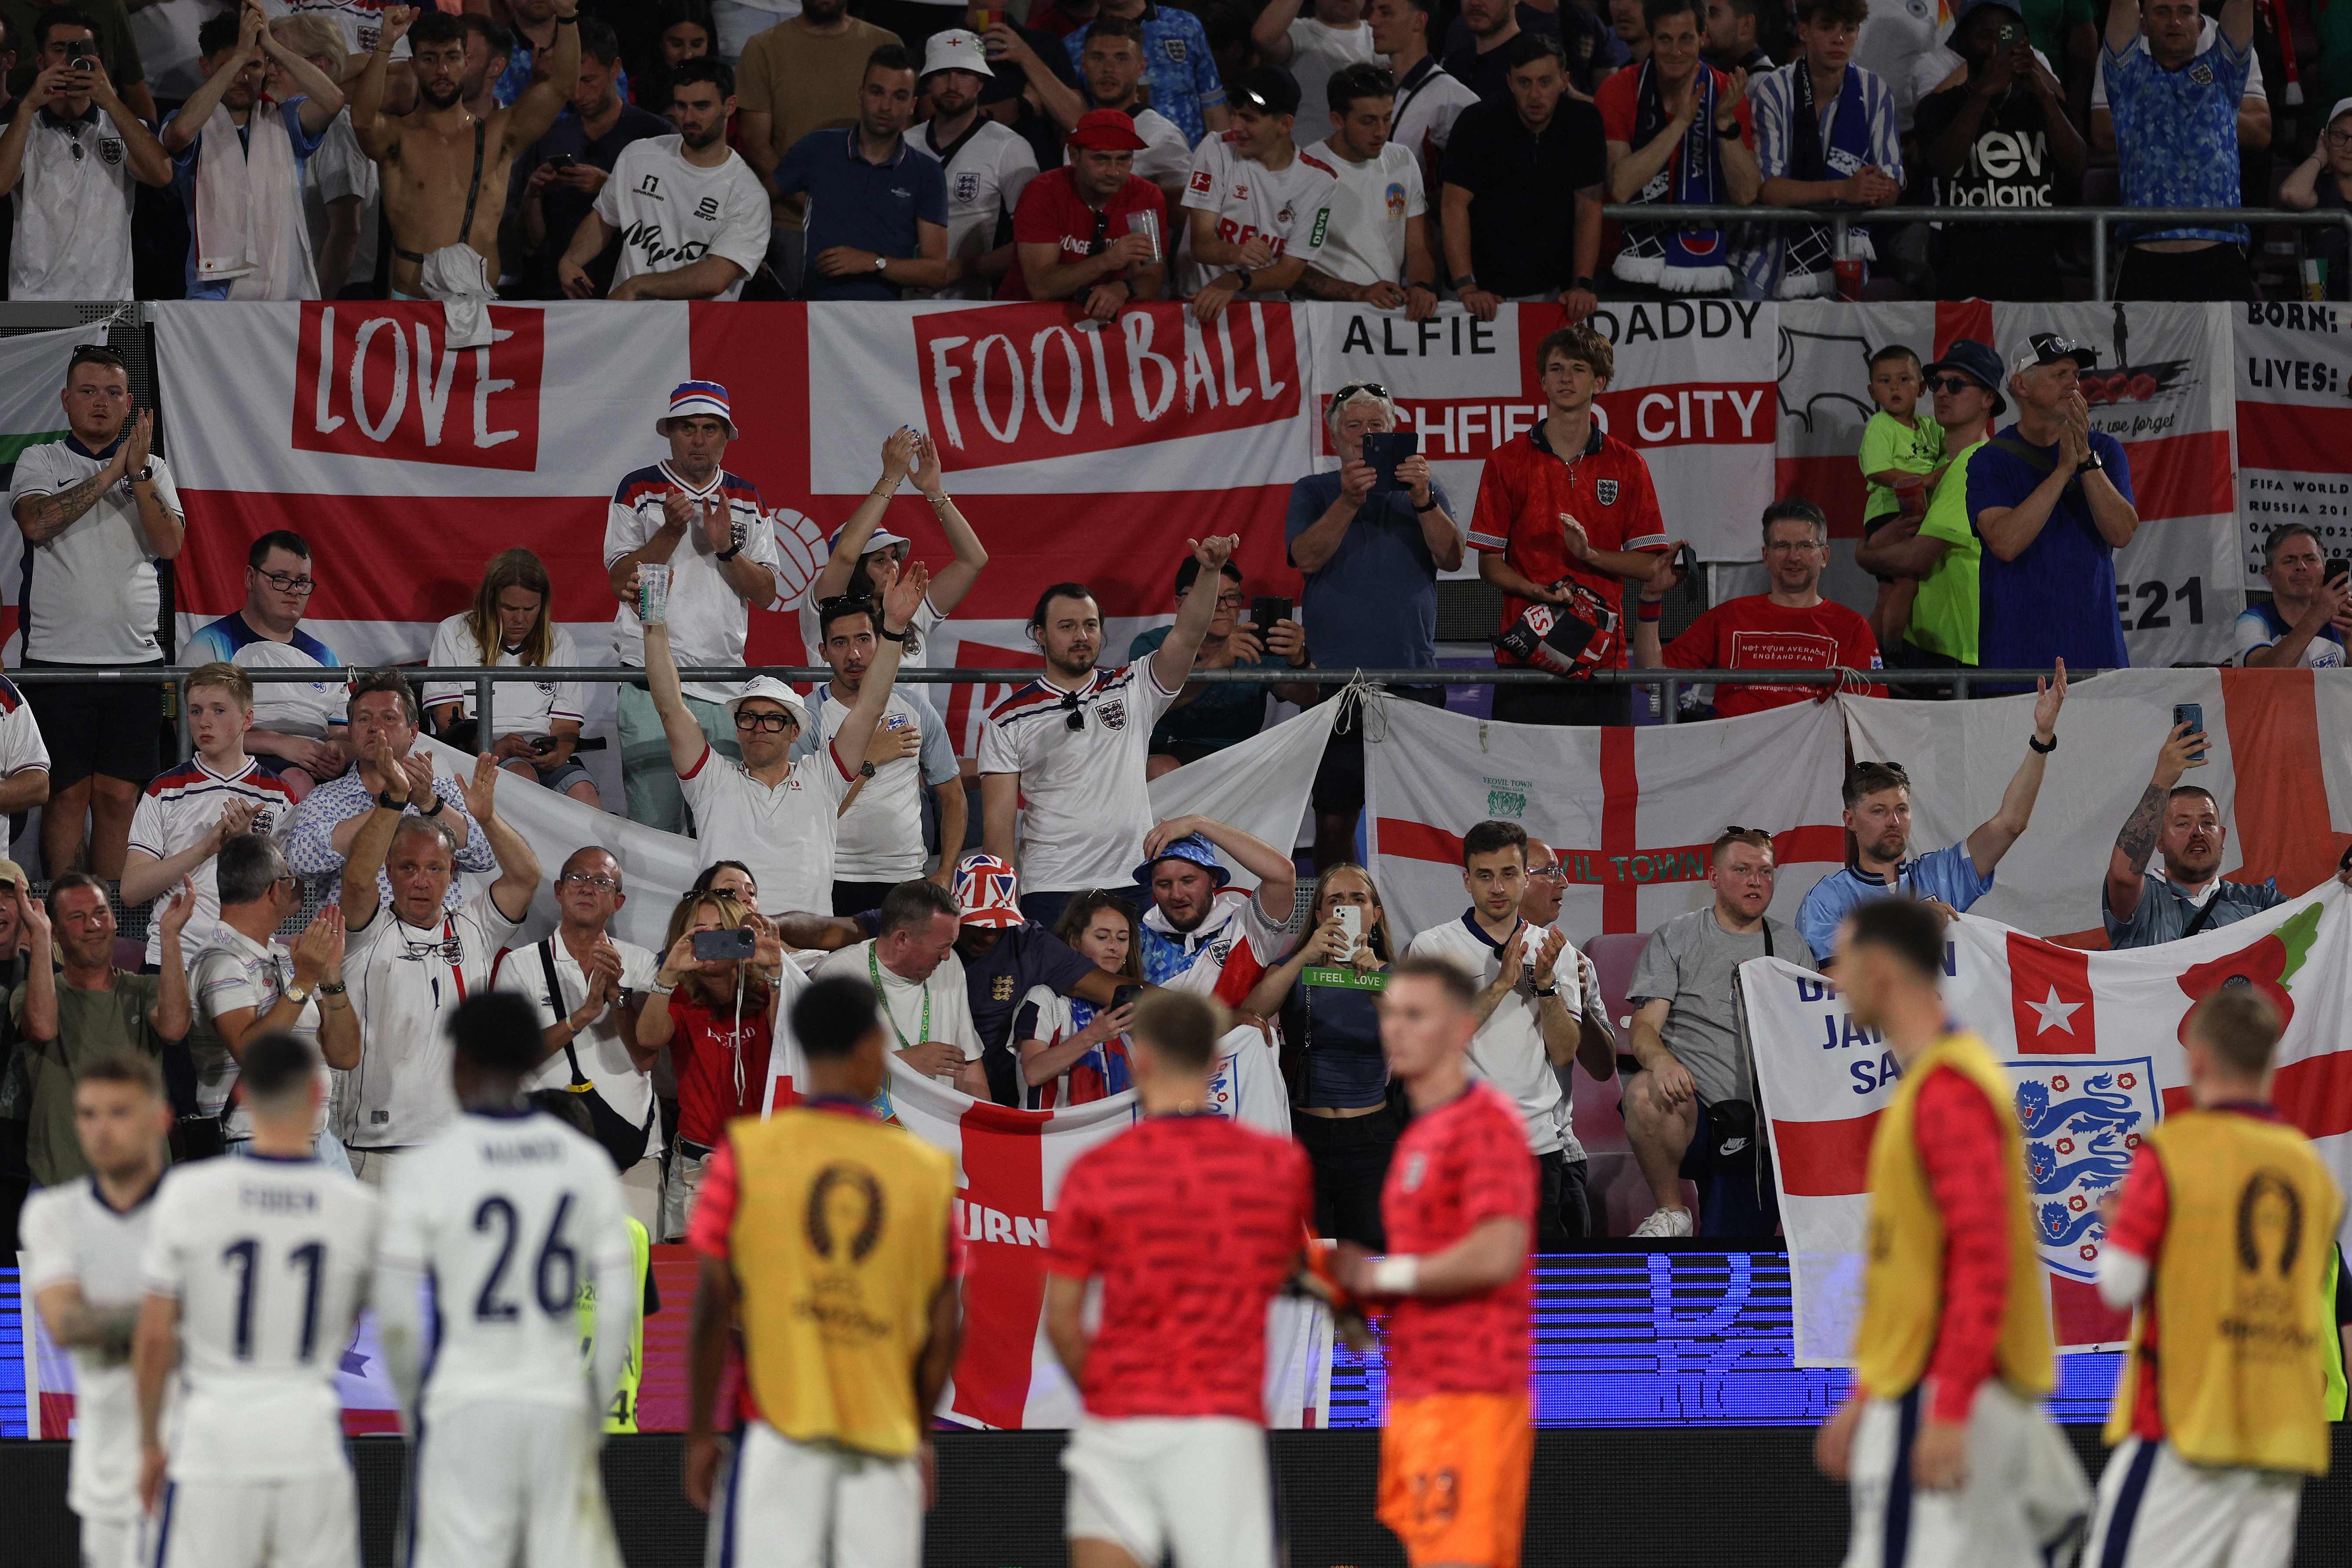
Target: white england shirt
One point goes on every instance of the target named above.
(232, 972)
(670, 214)
(880, 838)
(987, 169)
(1085, 806)
(337, 169)
(360, 21)
(511, 1214)
(919, 635)
(1509, 1049)
(1365, 240)
(21, 746)
(905, 1003)
(89, 594)
(1235, 942)
(310, 708)
(405, 982)
(270, 1259)
(73, 212)
(603, 1054)
(1251, 200)
(784, 833)
(707, 621)
(1427, 105)
(183, 806)
(71, 1234)
(517, 707)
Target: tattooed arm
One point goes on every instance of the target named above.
(2183, 750)
(42, 518)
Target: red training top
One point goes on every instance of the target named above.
(1958, 1141)
(1193, 1223)
(1526, 493)
(1618, 101)
(2142, 1212)
(713, 1086)
(1754, 633)
(1052, 211)
(1456, 1167)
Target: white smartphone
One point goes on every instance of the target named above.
(1351, 923)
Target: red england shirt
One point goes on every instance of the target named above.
(1456, 1167)
(723, 1069)
(1526, 491)
(1052, 211)
(1192, 1224)
(1754, 633)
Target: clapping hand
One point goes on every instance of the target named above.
(318, 951)
(718, 520)
(138, 444)
(391, 771)
(928, 478)
(1547, 954)
(481, 789)
(235, 819)
(905, 596)
(176, 913)
(418, 771)
(898, 455)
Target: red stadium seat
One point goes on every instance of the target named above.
(1620, 1199)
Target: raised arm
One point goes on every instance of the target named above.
(955, 579)
(1277, 877)
(849, 544)
(197, 111)
(322, 99)
(686, 742)
(2127, 862)
(1991, 841)
(2237, 26)
(378, 134)
(364, 859)
(1271, 34)
(2123, 24)
(1171, 664)
(544, 99)
(40, 1011)
(517, 865)
(899, 607)
(171, 1017)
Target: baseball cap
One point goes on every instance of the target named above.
(987, 891)
(1105, 130)
(957, 49)
(1979, 363)
(13, 876)
(1269, 89)
(1192, 847)
(2343, 107)
(2049, 348)
(774, 691)
(689, 398)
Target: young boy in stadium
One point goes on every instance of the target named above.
(1902, 457)
(1193, 1223)
(830, 1238)
(1459, 1208)
(1952, 1464)
(2225, 1231)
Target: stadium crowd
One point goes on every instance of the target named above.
(1116, 151)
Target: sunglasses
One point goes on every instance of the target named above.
(1949, 383)
(1340, 398)
(1074, 718)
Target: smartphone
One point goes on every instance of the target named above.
(1266, 609)
(1351, 925)
(2193, 715)
(2010, 33)
(562, 160)
(1125, 996)
(2336, 570)
(720, 946)
(85, 63)
(1384, 450)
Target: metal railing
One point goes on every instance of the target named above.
(1839, 219)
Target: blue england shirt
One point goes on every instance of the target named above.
(1181, 70)
(1947, 874)
(2177, 133)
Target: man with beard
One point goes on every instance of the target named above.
(987, 164)
(692, 219)
(1878, 815)
(877, 211)
(1195, 937)
(1065, 754)
(1113, 65)
(438, 159)
(799, 76)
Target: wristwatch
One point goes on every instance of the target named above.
(1728, 133)
(143, 474)
(865, 770)
(1243, 274)
(297, 994)
(728, 553)
(2093, 464)
(435, 809)
(1466, 281)
(1582, 284)
(383, 798)
(880, 263)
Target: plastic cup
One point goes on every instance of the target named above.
(1147, 223)
(1848, 269)
(653, 592)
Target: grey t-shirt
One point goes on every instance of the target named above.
(1693, 963)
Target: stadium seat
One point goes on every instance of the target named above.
(1620, 1199)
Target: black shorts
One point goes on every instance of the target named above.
(99, 727)
(1339, 777)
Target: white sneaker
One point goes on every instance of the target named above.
(1665, 1222)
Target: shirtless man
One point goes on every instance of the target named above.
(445, 168)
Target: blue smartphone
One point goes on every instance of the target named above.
(2193, 715)
(1384, 450)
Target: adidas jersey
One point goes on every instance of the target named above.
(181, 805)
(510, 1214)
(270, 1259)
(72, 1235)
(1286, 206)
(288, 707)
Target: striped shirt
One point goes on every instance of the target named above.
(290, 708)
(180, 807)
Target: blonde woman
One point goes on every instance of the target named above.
(534, 725)
(713, 1015)
(1331, 1029)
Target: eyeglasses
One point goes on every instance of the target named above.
(285, 583)
(594, 884)
(2339, 138)
(1232, 601)
(1949, 383)
(1555, 872)
(766, 723)
(1074, 718)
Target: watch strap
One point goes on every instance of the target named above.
(728, 553)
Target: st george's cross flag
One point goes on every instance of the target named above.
(2092, 1042)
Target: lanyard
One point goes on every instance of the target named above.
(874, 968)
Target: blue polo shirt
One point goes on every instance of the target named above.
(1946, 874)
(2057, 599)
(183, 183)
(1373, 605)
(1182, 68)
(867, 205)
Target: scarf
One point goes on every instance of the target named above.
(244, 218)
(1806, 261)
(1684, 260)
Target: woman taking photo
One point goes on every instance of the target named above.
(534, 725)
(713, 1016)
(1071, 1050)
(1339, 1103)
